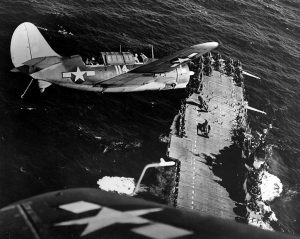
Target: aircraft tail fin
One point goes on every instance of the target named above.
(27, 43)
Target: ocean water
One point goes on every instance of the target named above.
(66, 138)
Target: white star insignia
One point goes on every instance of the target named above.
(107, 217)
(79, 75)
(79, 207)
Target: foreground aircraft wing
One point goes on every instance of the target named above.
(92, 213)
(172, 61)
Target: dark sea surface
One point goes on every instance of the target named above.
(66, 138)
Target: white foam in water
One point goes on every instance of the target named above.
(120, 185)
(267, 209)
(45, 29)
(257, 163)
(271, 187)
(259, 223)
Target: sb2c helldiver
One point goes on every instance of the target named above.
(31, 54)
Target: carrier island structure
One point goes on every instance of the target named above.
(204, 139)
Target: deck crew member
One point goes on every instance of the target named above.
(207, 70)
(144, 57)
(202, 104)
(229, 69)
(136, 58)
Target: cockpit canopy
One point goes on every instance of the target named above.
(118, 58)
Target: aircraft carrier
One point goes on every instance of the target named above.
(206, 140)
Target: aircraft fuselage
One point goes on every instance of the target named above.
(93, 78)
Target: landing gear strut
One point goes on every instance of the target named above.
(22, 96)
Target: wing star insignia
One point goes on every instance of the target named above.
(79, 207)
(108, 216)
(182, 60)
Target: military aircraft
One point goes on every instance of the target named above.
(92, 213)
(120, 71)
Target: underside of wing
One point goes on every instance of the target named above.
(172, 61)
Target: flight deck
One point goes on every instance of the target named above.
(198, 149)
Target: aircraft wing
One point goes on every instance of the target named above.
(172, 61)
(132, 82)
(126, 79)
(92, 213)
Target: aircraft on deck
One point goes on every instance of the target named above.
(120, 71)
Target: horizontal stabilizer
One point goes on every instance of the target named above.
(43, 85)
(43, 62)
(250, 75)
(256, 110)
(15, 70)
